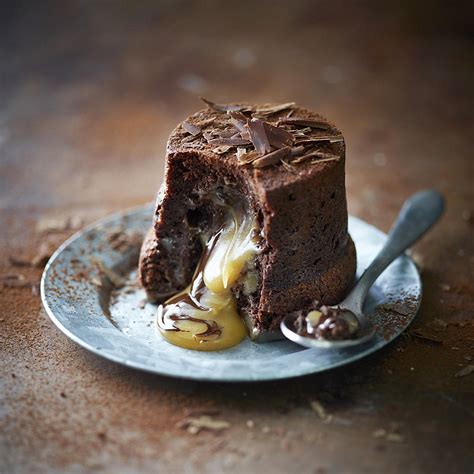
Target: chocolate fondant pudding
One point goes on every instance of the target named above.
(250, 224)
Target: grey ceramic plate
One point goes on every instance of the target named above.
(116, 324)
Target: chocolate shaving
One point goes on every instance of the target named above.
(194, 145)
(278, 137)
(229, 141)
(221, 149)
(238, 116)
(325, 155)
(224, 107)
(41, 258)
(287, 166)
(322, 138)
(189, 139)
(227, 133)
(258, 136)
(248, 157)
(12, 277)
(240, 125)
(318, 154)
(302, 132)
(333, 158)
(273, 109)
(191, 128)
(209, 135)
(18, 261)
(206, 122)
(305, 122)
(291, 134)
(469, 369)
(272, 158)
(297, 150)
(426, 337)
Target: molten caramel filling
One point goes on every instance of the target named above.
(204, 316)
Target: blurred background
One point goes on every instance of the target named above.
(90, 91)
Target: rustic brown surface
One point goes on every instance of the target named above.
(89, 93)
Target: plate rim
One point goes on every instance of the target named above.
(156, 370)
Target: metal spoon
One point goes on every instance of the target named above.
(417, 215)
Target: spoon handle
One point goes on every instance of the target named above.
(416, 216)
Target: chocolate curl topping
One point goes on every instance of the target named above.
(239, 121)
(223, 107)
(285, 138)
(258, 136)
(227, 133)
(192, 129)
(245, 157)
(304, 122)
(221, 149)
(278, 137)
(273, 109)
(324, 138)
(297, 150)
(240, 125)
(206, 122)
(238, 116)
(316, 154)
(231, 141)
(272, 158)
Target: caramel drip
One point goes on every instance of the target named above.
(191, 298)
(204, 316)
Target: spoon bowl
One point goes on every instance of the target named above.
(364, 333)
